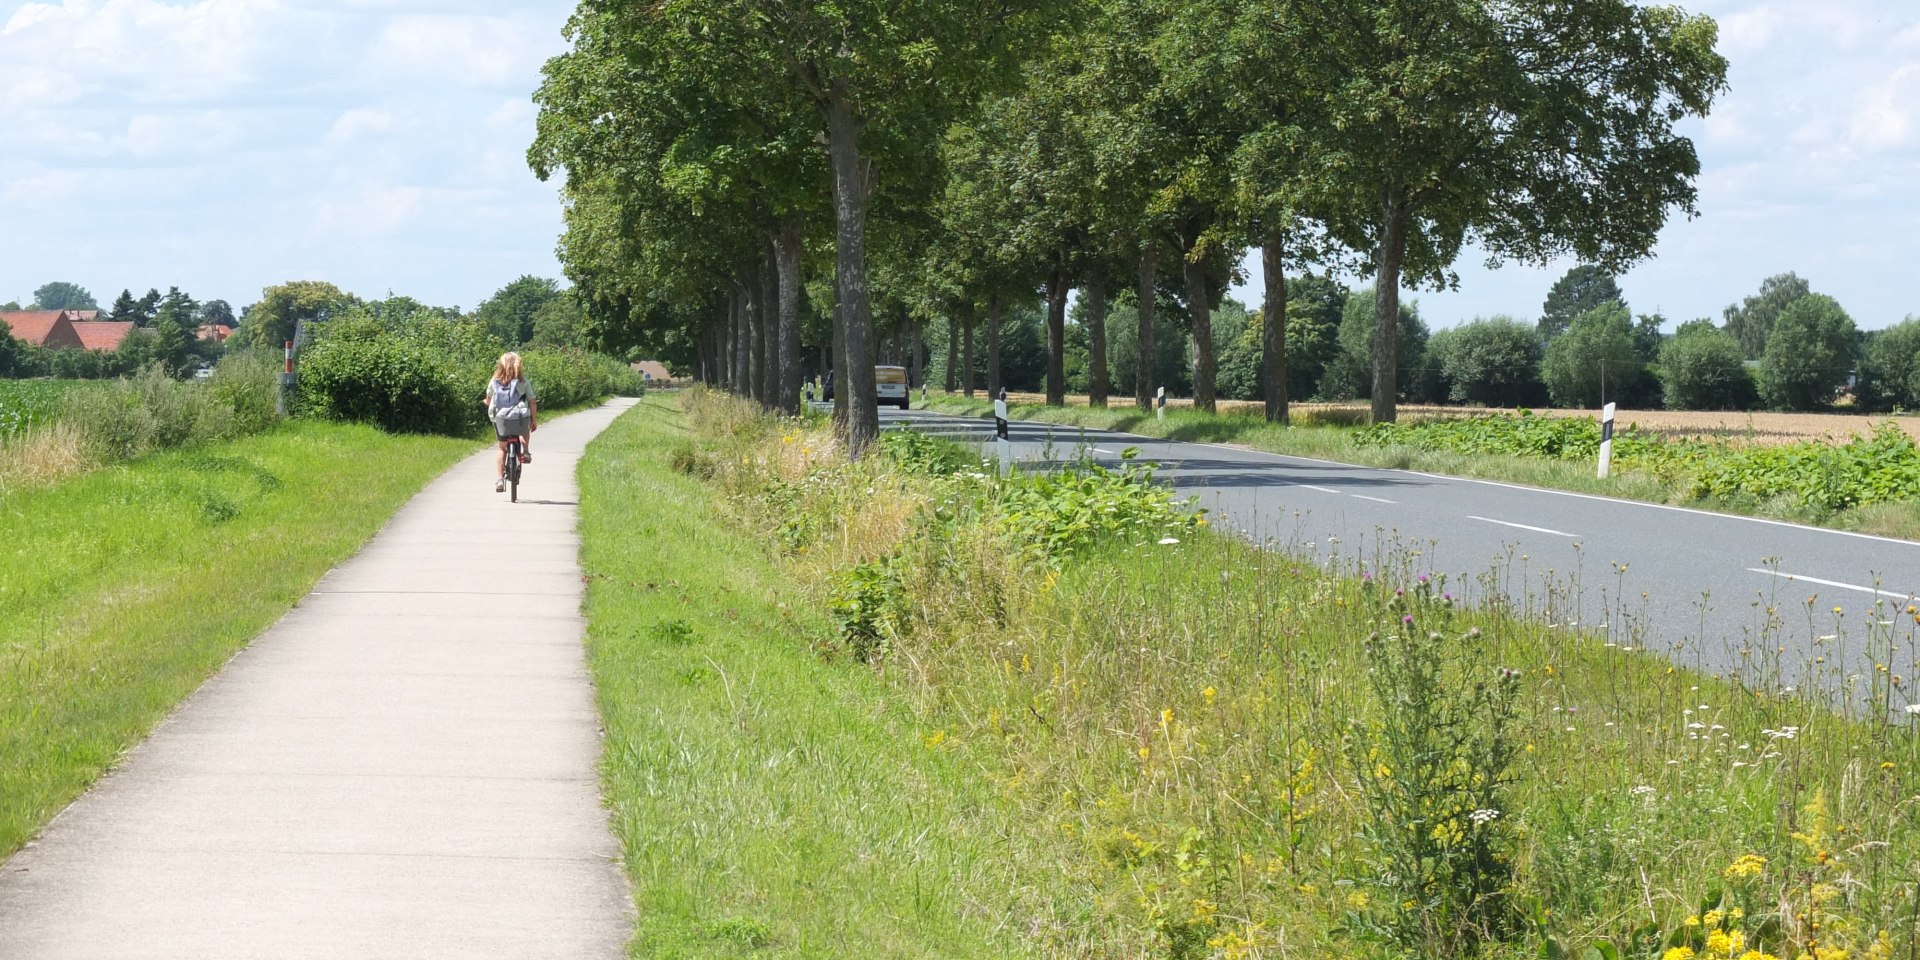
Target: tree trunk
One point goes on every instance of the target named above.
(1057, 339)
(994, 386)
(757, 313)
(838, 370)
(1096, 294)
(1200, 312)
(769, 326)
(916, 356)
(966, 364)
(953, 351)
(1386, 306)
(786, 258)
(851, 186)
(741, 343)
(1149, 278)
(1273, 330)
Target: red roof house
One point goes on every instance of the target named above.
(42, 328)
(103, 334)
(216, 332)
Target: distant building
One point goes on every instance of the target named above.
(216, 332)
(43, 328)
(103, 335)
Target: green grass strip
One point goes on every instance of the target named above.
(771, 803)
(124, 589)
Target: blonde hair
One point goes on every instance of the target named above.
(508, 369)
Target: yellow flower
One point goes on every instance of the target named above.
(1692, 921)
(1145, 753)
(1166, 718)
(1678, 953)
(1712, 918)
(1357, 900)
(1209, 693)
(1748, 866)
(937, 738)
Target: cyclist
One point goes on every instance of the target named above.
(514, 411)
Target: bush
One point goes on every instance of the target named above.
(1890, 370)
(566, 377)
(1594, 361)
(152, 411)
(1494, 363)
(395, 382)
(1703, 368)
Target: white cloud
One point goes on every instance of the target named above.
(1884, 119)
(377, 211)
(474, 51)
(358, 123)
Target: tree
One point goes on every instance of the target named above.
(283, 310)
(1491, 363)
(561, 322)
(10, 305)
(1890, 368)
(1702, 368)
(11, 351)
(1594, 361)
(60, 295)
(147, 307)
(1580, 290)
(880, 76)
(1809, 354)
(217, 313)
(126, 309)
(509, 313)
(1348, 375)
(175, 330)
(1536, 129)
(1751, 321)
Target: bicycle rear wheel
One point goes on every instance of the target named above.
(513, 472)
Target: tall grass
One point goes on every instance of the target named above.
(1200, 731)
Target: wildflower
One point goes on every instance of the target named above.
(1209, 693)
(1169, 541)
(1746, 867)
(936, 739)
(1483, 817)
(1145, 753)
(1678, 953)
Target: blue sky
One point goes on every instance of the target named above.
(225, 145)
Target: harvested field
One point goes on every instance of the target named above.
(1759, 428)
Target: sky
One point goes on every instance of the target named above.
(227, 145)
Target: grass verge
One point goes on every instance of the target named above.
(771, 803)
(1325, 435)
(1219, 752)
(125, 588)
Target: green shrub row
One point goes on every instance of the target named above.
(427, 374)
(1883, 467)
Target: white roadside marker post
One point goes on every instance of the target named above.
(1160, 407)
(286, 382)
(1606, 441)
(1004, 445)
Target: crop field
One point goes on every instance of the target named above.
(24, 403)
(1761, 427)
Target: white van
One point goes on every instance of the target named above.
(890, 386)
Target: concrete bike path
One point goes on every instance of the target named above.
(405, 766)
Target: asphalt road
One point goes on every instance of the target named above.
(1693, 585)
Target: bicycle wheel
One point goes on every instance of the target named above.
(513, 471)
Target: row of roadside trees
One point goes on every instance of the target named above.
(745, 176)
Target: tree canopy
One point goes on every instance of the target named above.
(60, 295)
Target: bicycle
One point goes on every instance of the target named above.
(515, 447)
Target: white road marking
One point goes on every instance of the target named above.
(1522, 526)
(1310, 486)
(1832, 583)
(1107, 452)
(1362, 496)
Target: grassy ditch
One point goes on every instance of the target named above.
(1215, 751)
(127, 587)
(771, 802)
(1870, 484)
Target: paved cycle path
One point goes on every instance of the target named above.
(403, 767)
